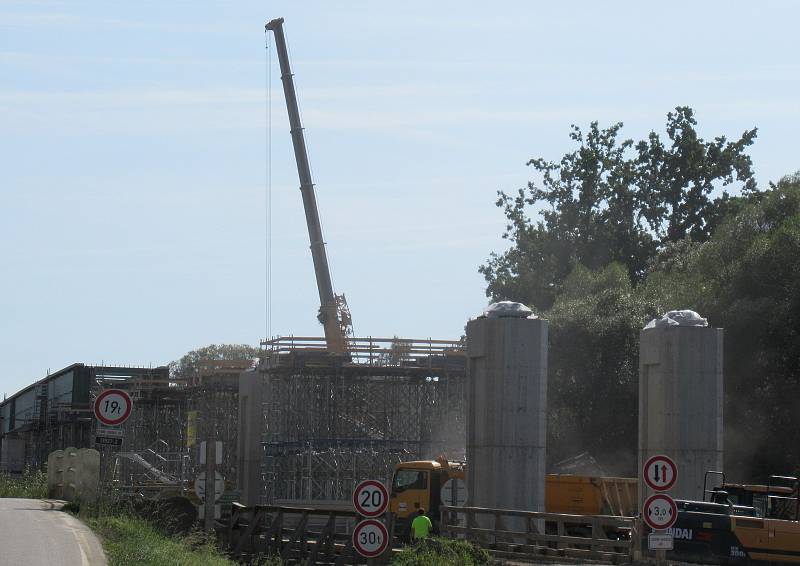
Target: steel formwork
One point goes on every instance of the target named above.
(331, 422)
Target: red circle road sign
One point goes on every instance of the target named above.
(370, 498)
(660, 472)
(370, 538)
(660, 511)
(113, 407)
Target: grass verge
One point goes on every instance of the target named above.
(28, 485)
(442, 552)
(127, 540)
(132, 541)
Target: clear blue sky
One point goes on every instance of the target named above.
(132, 136)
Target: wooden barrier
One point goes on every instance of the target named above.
(592, 537)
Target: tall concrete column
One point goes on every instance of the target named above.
(680, 402)
(252, 394)
(507, 410)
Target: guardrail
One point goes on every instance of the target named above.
(510, 533)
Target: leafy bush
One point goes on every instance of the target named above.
(442, 552)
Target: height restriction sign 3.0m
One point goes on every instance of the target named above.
(113, 407)
(660, 511)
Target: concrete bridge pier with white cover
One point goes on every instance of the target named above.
(680, 398)
(507, 408)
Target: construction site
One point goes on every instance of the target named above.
(455, 427)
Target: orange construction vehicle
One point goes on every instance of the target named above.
(420, 484)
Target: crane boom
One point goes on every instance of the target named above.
(329, 311)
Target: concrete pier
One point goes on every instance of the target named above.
(507, 412)
(680, 403)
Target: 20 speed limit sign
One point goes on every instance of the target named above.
(113, 407)
(370, 538)
(370, 498)
(660, 511)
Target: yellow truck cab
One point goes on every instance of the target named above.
(413, 483)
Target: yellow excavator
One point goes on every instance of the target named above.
(740, 524)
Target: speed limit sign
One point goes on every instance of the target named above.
(370, 538)
(113, 407)
(370, 498)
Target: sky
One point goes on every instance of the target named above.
(134, 164)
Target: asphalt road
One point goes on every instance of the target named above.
(37, 533)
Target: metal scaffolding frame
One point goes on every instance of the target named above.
(330, 422)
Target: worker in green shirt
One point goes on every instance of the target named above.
(421, 526)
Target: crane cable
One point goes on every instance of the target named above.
(268, 199)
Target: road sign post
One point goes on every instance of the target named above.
(371, 537)
(111, 408)
(659, 511)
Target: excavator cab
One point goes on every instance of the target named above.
(778, 499)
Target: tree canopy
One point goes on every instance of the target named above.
(628, 230)
(190, 362)
(614, 201)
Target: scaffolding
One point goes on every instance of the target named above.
(160, 450)
(331, 421)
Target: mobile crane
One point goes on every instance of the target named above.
(333, 312)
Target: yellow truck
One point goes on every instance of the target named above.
(419, 484)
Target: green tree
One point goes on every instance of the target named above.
(746, 279)
(614, 201)
(676, 182)
(189, 363)
(593, 368)
(592, 220)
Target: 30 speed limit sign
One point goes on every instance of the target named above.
(370, 498)
(370, 538)
(113, 407)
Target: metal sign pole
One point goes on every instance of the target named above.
(211, 466)
(102, 480)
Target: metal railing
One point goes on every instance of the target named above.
(510, 533)
(383, 352)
